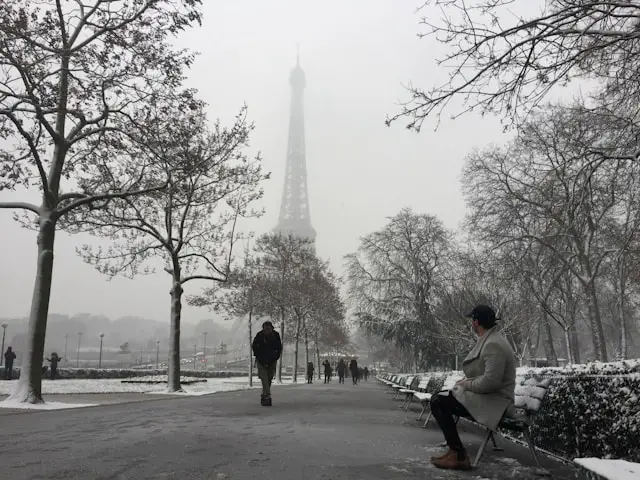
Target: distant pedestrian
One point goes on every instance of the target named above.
(342, 370)
(353, 367)
(310, 370)
(54, 360)
(327, 371)
(267, 348)
(366, 373)
(9, 357)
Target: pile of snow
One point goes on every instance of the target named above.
(162, 379)
(43, 406)
(611, 469)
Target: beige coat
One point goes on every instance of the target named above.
(490, 369)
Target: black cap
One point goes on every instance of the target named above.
(485, 315)
(267, 324)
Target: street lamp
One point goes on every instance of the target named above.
(205, 351)
(78, 352)
(66, 338)
(100, 358)
(157, 354)
(4, 332)
(195, 346)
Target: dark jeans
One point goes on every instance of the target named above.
(354, 378)
(327, 377)
(340, 378)
(309, 377)
(8, 372)
(443, 409)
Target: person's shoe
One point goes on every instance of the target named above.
(268, 402)
(445, 454)
(454, 461)
(263, 401)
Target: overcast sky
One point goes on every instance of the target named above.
(357, 55)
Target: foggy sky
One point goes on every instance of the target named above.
(357, 55)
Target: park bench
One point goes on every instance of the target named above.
(395, 381)
(409, 390)
(404, 384)
(425, 398)
(529, 394)
(418, 387)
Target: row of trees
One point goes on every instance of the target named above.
(94, 117)
(552, 234)
(411, 283)
(282, 278)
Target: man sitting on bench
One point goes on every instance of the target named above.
(484, 394)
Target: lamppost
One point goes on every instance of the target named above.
(195, 346)
(100, 358)
(157, 354)
(78, 352)
(66, 338)
(205, 351)
(4, 332)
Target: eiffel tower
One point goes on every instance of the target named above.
(294, 210)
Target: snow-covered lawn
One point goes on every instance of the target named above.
(212, 385)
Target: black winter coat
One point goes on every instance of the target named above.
(267, 350)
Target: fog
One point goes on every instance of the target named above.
(357, 57)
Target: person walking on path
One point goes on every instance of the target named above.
(310, 370)
(486, 392)
(366, 374)
(9, 357)
(267, 348)
(327, 371)
(342, 370)
(353, 367)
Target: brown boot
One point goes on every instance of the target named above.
(454, 462)
(444, 455)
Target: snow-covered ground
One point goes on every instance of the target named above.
(611, 469)
(212, 385)
(44, 406)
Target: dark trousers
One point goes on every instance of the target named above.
(310, 377)
(443, 409)
(327, 377)
(354, 377)
(8, 371)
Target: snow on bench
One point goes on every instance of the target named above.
(425, 398)
(609, 469)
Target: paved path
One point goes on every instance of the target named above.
(312, 432)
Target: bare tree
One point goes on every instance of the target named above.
(392, 280)
(544, 188)
(505, 56)
(192, 225)
(76, 76)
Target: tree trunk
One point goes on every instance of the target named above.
(623, 324)
(306, 345)
(575, 344)
(595, 321)
(173, 382)
(318, 357)
(282, 319)
(549, 349)
(29, 387)
(568, 347)
(295, 359)
(250, 349)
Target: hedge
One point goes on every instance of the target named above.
(105, 373)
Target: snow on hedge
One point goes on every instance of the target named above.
(610, 469)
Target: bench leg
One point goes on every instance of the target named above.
(408, 402)
(483, 445)
(424, 409)
(427, 420)
(532, 447)
(496, 448)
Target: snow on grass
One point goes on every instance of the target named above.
(611, 469)
(115, 385)
(43, 406)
